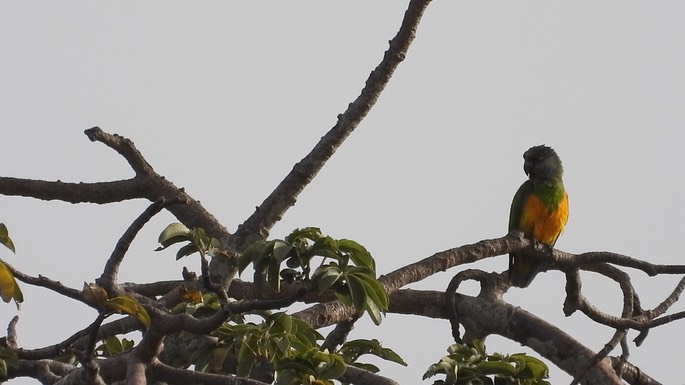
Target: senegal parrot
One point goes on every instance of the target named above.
(539, 209)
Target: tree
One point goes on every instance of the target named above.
(479, 316)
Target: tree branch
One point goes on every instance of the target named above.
(99, 192)
(109, 275)
(171, 375)
(124, 147)
(258, 225)
(514, 323)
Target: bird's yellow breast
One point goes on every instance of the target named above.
(544, 223)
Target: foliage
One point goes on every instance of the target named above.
(314, 367)
(112, 346)
(204, 306)
(288, 345)
(122, 304)
(470, 365)
(7, 358)
(198, 240)
(346, 267)
(278, 339)
(9, 289)
(352, 350)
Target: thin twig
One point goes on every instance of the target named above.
(123, 146)
(109, 275)
(48, 283)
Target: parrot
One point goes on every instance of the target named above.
(539, 210)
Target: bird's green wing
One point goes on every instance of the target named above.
(517, 204)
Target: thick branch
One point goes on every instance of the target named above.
(181, 376)
(497, 317)
(146, 184)
(100, 192)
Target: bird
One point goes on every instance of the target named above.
(539, 210)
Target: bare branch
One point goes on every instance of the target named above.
(45, 371)
(100, 192)
(595, 257)
(258, 225)
(12, 333)
(47, 283)
(171, 375)
(359, 376)
(632, 374)
(146, 184)
(124, 147)
(109, 275)
(338, 336)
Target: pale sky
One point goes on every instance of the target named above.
(224, 97)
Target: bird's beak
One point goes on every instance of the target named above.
(527, 167)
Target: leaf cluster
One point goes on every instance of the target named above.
(112, 346)
(289, 346)
(352, 350)
(197, 238)
(122, 304)
(345, 266)
(471, 365)
(277, 338)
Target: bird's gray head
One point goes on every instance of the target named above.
(542, 162)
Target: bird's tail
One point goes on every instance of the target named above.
(522, 269)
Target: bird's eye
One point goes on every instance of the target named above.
(541, 157)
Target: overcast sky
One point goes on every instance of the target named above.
(224, 97)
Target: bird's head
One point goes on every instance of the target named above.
(542, 162)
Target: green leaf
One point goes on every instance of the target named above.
(250, 254)
(368, 367)
(496, 367)
(390, 355)
(186, 250)
(374, 312)
(327, 276)
(311, 233)
(376, 292)
(274, 276)
(259, 260)
(5, 238)
(357, 292)
(306, 333)
(358, 253)
(298, 365)
(18, 296)
(113, 345)
(283, 345)
(246, 360)
(7, 283)
(174, 233)
(9, 356)
(344, 298)
(334, 368)
(281, 250)
(356, 348)
(284, 321)
(130, 306)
